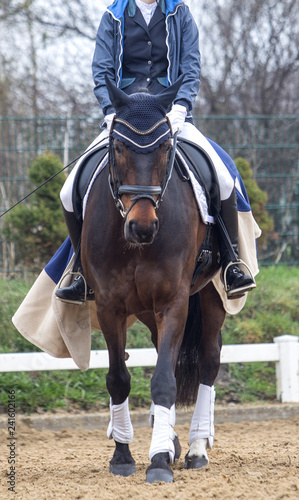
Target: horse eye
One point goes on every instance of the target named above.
(118, 149)
(167, 149)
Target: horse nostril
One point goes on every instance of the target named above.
(142, 234)
(132, 226)
(155, 226)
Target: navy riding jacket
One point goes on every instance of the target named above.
(182, 51)
(144, 63)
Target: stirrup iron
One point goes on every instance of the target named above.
(73, 273)
(239, 292)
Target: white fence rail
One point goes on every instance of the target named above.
(284, 352)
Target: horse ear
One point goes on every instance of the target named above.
(117, 97)
(167, 96)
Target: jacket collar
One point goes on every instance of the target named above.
(117, 9)
(139, 19)
(168, 6)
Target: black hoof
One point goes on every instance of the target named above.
(124, 470)
(122, 462)
(159, 476)
(159, 470)
(195, 462)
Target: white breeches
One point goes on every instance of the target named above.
(189, 132)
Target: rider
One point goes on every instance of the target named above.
(149, 44)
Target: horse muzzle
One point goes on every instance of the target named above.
(139, 233)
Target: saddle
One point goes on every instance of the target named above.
(84, 175)
(203, 169)
(189, 154)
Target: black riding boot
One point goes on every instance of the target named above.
(236, 281)
(78, 291)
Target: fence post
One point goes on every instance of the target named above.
(287, 369)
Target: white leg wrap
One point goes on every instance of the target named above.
(152, 413)
(120, 426)
(171, 415)
(163, 432)
(202, 424)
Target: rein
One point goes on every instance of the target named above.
(117, 190)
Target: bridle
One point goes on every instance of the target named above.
(140, 192)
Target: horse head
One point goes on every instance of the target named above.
(140, 145)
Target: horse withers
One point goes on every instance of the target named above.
(141, 235)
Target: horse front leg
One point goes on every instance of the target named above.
(118, 384)
(165, 447)
(201, 433)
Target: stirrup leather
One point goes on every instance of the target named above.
(238, 292)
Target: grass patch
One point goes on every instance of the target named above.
(271, 310)
(68, 389)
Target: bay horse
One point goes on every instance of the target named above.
(141, 234)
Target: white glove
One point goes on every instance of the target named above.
(177, 116)
(108, 121)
